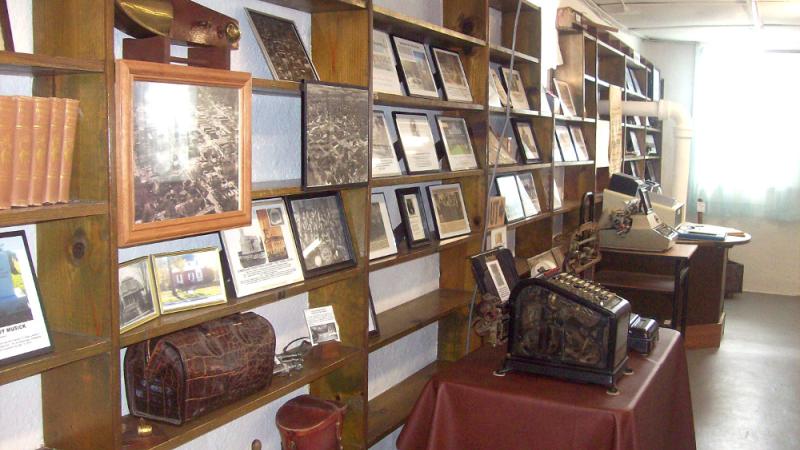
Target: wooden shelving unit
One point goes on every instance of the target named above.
(35, 214)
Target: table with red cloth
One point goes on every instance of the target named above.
(466, 407)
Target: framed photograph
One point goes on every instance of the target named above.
(507, 187)
(322, 326)
(495, 272)
(283, 49)
(372, 320)
(335, 135)
(502, 152)
(415, 68)
(23, 329)
(498, 237)
(633, 144)
(449, 213)
(416, 142)
(321, 232)
(381, 236)
(498, 96)
(457, 145)
(384, 67)
(558, 191)
(565, 95)
(526, 139)
(262, 255)
(497, 212)
(528, 195)
(6, 40)
(515, 88)
(137, 294)
(384, 159)
(580, 143)
(650, 144)
(543, 264)
(451, 73)
(415, 220)
(565, 143)
(188, 279)
(182, 150)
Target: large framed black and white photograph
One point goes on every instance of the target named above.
(526, 140)
(451, 73)
(321, 232)
(384, 68)
(283, 49)
(449, 212)
(457, 144)
(415, 68)
(137, 294)
(336, 122)
(515, 88)
(381, 236)
(415, 220)
(23, 330)
(182, 150)
(384, 158)
(416, 142)
(188, 279)
(507, 187)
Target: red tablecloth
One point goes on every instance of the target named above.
(465, 407)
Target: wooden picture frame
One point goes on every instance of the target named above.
(150, 209)
(426, 154)
(415, 69)
(450, 220)
(526, 141)
(457, 143)
(137, 290)
(290, 41)
(452, 77)
(7, 43)
(415, 223)
(380, 227)
(195, 278)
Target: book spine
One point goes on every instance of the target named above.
(54, 150)
(8, 112)
(67, 148)
(23, 142)
(41, 140)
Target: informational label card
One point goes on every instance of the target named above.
(322, 326)
(499, 280)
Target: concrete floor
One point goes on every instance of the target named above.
(746, 394)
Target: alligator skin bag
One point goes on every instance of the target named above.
(183, 375)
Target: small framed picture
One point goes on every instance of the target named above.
(188, 279)
(515, 88)
(283, 49)
(497, 212)
(415, 220)
(526, 139)
(502, 152)
(23, 329)
(650, 144)
(451, 73)
(6, 40)
(498, 237)
(565, 143)
(543, 264)
(322, 325)
(416, 142)
(580, 143)
(528, 195)
(415, 68)
(384, 68)
(633, 143)
(381, 236)
(449, 212)
(498, 97)
(182, 150)
(457, 144)
(507, 187)
(565, 95)
(495, 272)
(336, 122)
(384, 159)
(137, 294)
(321, 232)
(372, 321)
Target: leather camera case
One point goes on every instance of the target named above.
(183, 375)
(310, 423)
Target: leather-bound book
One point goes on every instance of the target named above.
(67, 149)
(56, 141)
(41, 140)
(23, 141)
(8, 112)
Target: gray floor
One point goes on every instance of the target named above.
(746, 394)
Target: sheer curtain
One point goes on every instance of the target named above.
(746, 158)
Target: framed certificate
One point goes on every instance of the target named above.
(415, 221)
(451, 74)
(526, 139)
(507, 187)
(415, 68)
(384, 160)
(384, 68)
(416, 142)
(457, 145)
(516, 89)
(381, 236)
(449, 213)
(565, 143)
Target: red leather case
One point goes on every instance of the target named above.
(311, 423)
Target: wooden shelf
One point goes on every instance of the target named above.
(502, 55)
(315, 366)
(404, 254)
(13, 63)
(424, 178)
(169, 323)
(652, 130)
(652, 157)
(421, 31)
(568, 206)
(391, 409)
(314, 6)
(511, 5)
(574, 163)
(413, 315)
(280, 87)
(632, 127)
(35, 214)
(604, 47)
(627, 157)
(568, 118)
(519, 168)
(630, 62)
(637, 95)
(404, 101)
(67, 348)
(277, 188)
(529, 220)
(515, 112)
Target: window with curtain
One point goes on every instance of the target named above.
(746, 155)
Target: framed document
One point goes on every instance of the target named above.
(457, 145)
(633, 143)
(503, 152)
(496, 89)
(415, 68)
(650, 144)
(416, 142)
(384, 160)
(262, 256)
(515, 88)
(384, 68)
(321, 232)
(188, 279)
(283, 49)
(565, 143)
(449, 213)
(137, 294)
(6, 40)
(335, 135)
(526, 139)
(23, 329)
(495, 272)
(580, 143)
(381, 236)
(497, 212)
(507, 187)
(452, 76)
(565, 95)
(415, 221)
(528, 195)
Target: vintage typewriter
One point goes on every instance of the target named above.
(567, 327)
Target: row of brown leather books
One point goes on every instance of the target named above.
(37, 141)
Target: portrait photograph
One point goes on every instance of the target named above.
(384, 158)
(565, 143)
(336, 122)
(580, 142)
(502, 152)
(188, 279)
(526, 139)
(449, 211)
(415, 220)
(384, 68)
(457, 144)
(137, 294)
(416, 142)
(6, 40)
(515, 88)
(451, 73)
(283, 49)
(416, 69)
(528, 194)
(565, 95)
(381, 236)
(321, 233)
(183, 150)
(507, 187)
(497, 89)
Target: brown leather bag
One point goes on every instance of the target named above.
(182, 375)
(310, 423)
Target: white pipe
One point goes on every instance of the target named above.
(677, 113)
